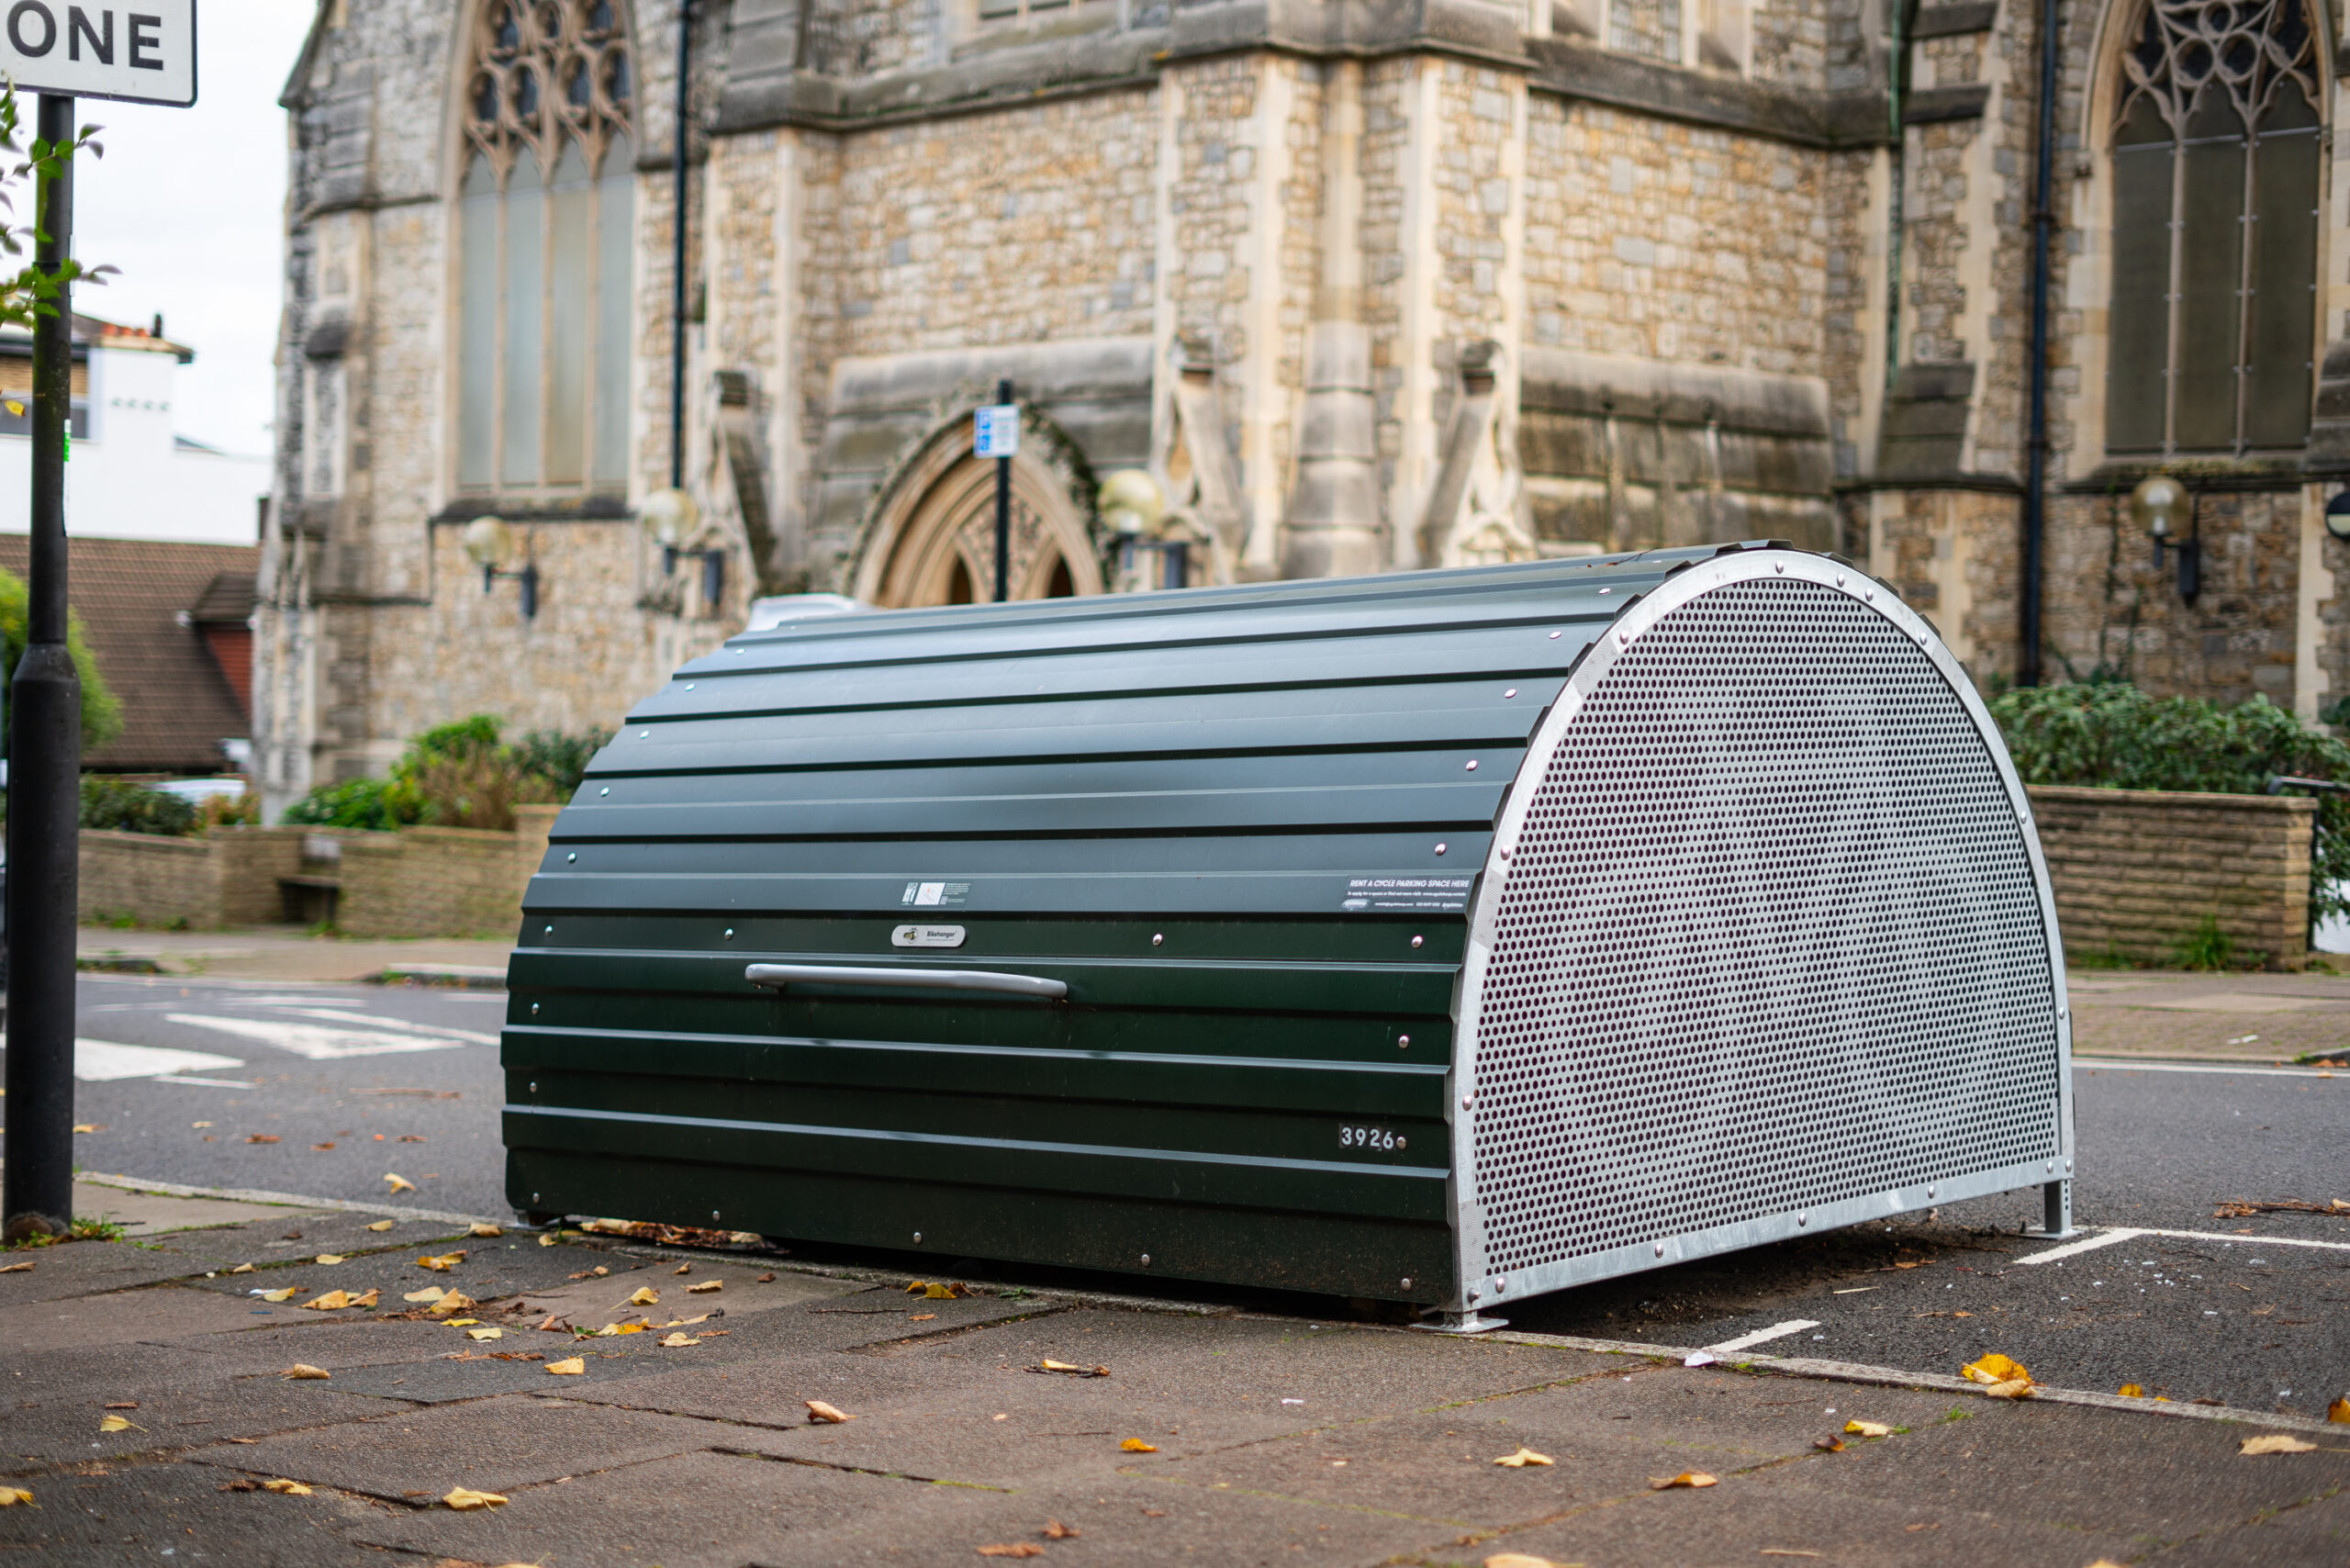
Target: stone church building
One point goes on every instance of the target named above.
(1361, 286)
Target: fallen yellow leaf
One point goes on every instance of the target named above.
(1135, 1445)
(546, 1238)
(483, 1227)
(462, 1322)
(2275, 1443)
(330, 1258)
(609, 1329)
(242, 1269)
(1072, 1369)
(333, 1301)
(452, 1301)
(1995, 1368)
(430, 1293)
(1056, 1530)
(286, 1294)
(304, 1369)
(2339, 1410)
(1014, 1549)
(382, 1224)
(1690, 1478)
(443, 1263)
(115, 1424)
(706, 1287)
(820, 1411)
(2131, 1391)
(2014, 1388)
(463, 1498)
(678, 1342)
(368, 1300)
(1869, 1429)
(12, 1495)
(399, 1183)
(484, 1333)
(1520, 1559)
(1523, 1458)
(569, 1367)
(645, 1296)
(285, 1487)
(85, 1126)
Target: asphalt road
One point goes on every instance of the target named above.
(355, 1082)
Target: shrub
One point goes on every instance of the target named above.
(101, 710)
(2112, 735)
(133, 808)
(458, 775)
(379, 805)
(560, 760)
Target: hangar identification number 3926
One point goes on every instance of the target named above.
(143, 50)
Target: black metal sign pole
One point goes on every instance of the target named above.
(44, 784)
(1002, 510)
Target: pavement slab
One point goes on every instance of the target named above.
(117, 1315)
(489, 1445)
(2315, 1532)
(61, 1431)
(491, 1267)
(85, 1268)
(105, 1515)
(696, 1510)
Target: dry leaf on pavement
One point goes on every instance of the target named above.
(2131, 1391)
(706, 1287)
(938, 1290)
(115, 1424)
(330, 1259)
(570, 1367)
(483, 1227)
(27, 1268)
(12, 1495)
(1521, 1560)
(441, 1263)
(1135, 1445)
(678, 1342)
(368, 1300)
(240, 1269)
(286, 1488)
(766, 1279)
(1690, 1478)
(250, 1137)
(430, 1293)
(2277, 1442)
(304, 1369)
(1995, 1369)
(451, 1301)
(1523, 1458)
(463, 1498)
(1832, 1445)
(1868, 1428)
(2014, 1388)
(333, 1301)
(1072, 1369)
(683, 1269)
(820, 1411)
(286, 1294)
(2339, 1410)
(1014, 1549)
(382, 1224)
(484, 1333)
(645, 1296)
(546, 1238)
(399, 1183)
(1056, 1530)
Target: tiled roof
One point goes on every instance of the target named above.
(229, 598)
(131, 593)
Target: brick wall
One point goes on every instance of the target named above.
(229, 877)
(441, 881)
(2137, 870)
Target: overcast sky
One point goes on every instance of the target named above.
(190, 205)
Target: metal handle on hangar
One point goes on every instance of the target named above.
(781, 975)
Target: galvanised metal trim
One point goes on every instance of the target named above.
(1693, 580)
(990, 981)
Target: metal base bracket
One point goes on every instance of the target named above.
(1469, 1322)
(2056, 1219)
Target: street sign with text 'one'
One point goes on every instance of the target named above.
(142, 52)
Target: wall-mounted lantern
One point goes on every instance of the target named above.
(489, 544)
(2337, 516)
(671, 517)
(1150, 555)
(2160, 504)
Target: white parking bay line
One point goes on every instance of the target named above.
(315, 1041)
(2085, 1243)
(2112, 1064)
(103, 1061)
(1762, 1336)
(2244, 1241)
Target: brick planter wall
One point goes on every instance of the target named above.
(227, 878)
(441, 881)
(2136, 870)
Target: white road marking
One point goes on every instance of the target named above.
(2085, 1243)
(2109, 1064)
(205, 1083)
(103, 1061)
(468, 1035)
(315, 1041)
(2250, 1240)
(1761, 1336)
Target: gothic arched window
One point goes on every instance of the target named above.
(545, 243)
(2215, 192)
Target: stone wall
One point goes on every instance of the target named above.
(227, 878)
(441, 881)
(2137, 871)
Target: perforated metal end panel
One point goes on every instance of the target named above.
(1770, 937)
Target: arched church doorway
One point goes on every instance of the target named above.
(934, 540)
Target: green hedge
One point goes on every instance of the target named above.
(458, 775)
(2112, 735)
(133, 807)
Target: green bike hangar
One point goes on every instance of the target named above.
(1442, 938)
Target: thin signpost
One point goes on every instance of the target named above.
(59, 51)
(995, 433)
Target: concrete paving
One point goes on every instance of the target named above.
(1216, 1434)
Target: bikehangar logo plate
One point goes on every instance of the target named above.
(926, 937)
